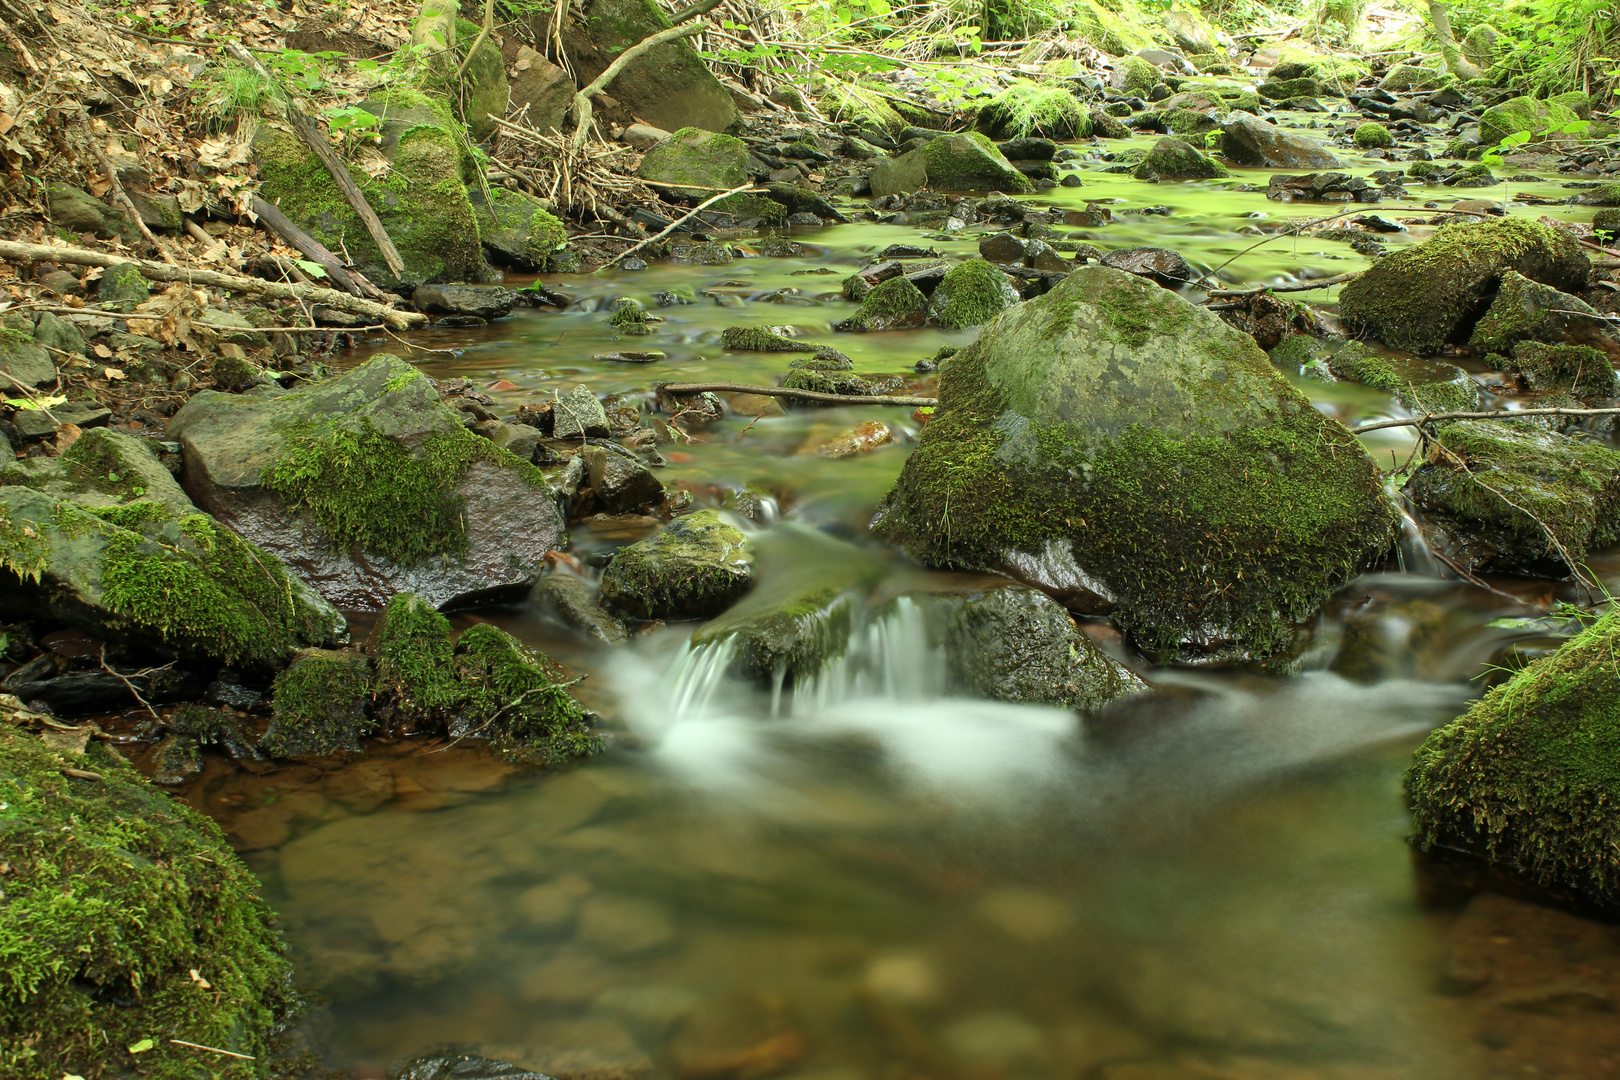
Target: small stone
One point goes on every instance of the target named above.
(1003, 248)
(482, 302)
(579, 415)
(122, 285)
(747, 1034)
(860, 439)
(620, 483)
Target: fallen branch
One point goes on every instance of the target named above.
(582, 107)
(135, 315)
(129, 204)
(1500, 414)
(307, 131)
(677, 223)
(1304, 286)
(351, 281)
(801, 395)
(156, 271)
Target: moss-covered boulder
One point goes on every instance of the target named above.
(129, 923)
(970, 162)
(708, 161)
(1480, 44)
(319, 705)
(1576, 102)
(1173, 159)
(1521, 114)
(1287, 89)
(515, 229)
(895, 304)
(669, 87)
(1526, 310)
(1128, 452)
(1422, 297)
(368, 485)
(899, 175)
(1405, 78)
(971, 294)
(1419, 384)
(422, 200)
(1528, 778)
(760, 339)
(486, 92)
(694, 569)
(1373, 137)
(1136, 76)
(1581, 371)
(1496, 489)
(1248, 140)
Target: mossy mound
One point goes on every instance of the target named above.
(515, 229)
(1480, 45)
(708, 161)
(1027, 108)
(1127, 451)
(971, 294)
(1287, 89)
(1172, 159)
(759, 339)
(694, 569)
(970, 162)
(1491, 485)
(1579, 370)
(1521, 114)
(319, 705)
(1373, 137)
(1419, 385)
(1421, 297)
(128, 923)
(895, 304)
(1137, 76)
(1528, 778)
(1405, 78)
(846, 101)
(1294, 62)
(1527, 310)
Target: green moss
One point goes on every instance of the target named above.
(319, 705)
(113, 894)
(845, 101)
(1029, 108)
(1579, 370)
(1284, 89)
(1424, 170)
(629, 317)
(134, 516)
(1528, 778)
(1172, 159)
(970, 162)
(1188, 122)
(1521, 114)
(971, 294)
(1370, 136)
(888, 305)
(695, 568)
(759, 339)
(1526, 309)
(412, 647)
(367, 491)
(1418, 385)
(1137, 76)
(517, 699)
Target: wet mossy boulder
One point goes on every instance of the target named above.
(1479, 45)
(129, 923)
(694, 569)
(1405, 78)
(1373, 137)
(669, 86)
(1173, 159)
(422, 201)
(1495, 489)
(1518, 114)
(515, 229)
(1126, 451)
(1528, 778)
(708, 161)
(1136, 76)
(970, 162)
(1248, 140)
(1418, 384)
(1578, 370)
(1422, 297)
(1526, 310)
(319, 705)
(895, 304)
(971, 294)
(367, 485)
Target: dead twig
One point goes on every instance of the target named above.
(677, 223)
(130, 686)
(1500, 414)
(680, 389)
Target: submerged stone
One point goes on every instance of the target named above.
(1126, 451)
(1528, 778)
(368, 485)
(695, 568)
(1420, 385)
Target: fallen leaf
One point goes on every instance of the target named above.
(141, 1047)
(102, 351)
(66, 436)
(502, 384)
(200, 981)
(113, 374)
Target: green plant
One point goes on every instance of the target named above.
(1520, 138)
(1027, 108)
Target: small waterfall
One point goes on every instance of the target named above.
(887, 657)
(698, 676)
(1413, 552)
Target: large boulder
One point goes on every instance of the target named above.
(1527, 779)
(516, 229)
(368, 485)
(130, 925)
(1525, 114)
(695, 568)
(1126, 451)
(1173, 159)
(1248, 140)
(103, 540)
(669, 86)
(1526, 310)
(1423, 297)
(421, 201)
(969, 162)
(543, 88)
(708, 161)
(1496, 490)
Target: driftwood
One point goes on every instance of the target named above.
(1500, 414)
(279, 290)
(582, 107)
(351, 281)
(676, 224)
(307, 131)
(679, 389)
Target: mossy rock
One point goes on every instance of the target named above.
(1480, 45)
(709, 162)
(1418, 384)
(1581, 371)
(864, 106)
(422, 201)
(129, 922)
(1294, 62)
(759, 339)
(515, 229)
(1185, 123)
(1373, 137)
(1284, 89)
(1405, 78)
(486, 93)
(103, 470)
(319, 705)
(694, 569)
(1521, 114)
(1137, 76)
(1526, 310)
(895, 304)
(122, 287)
(1128, 451)
(970, 162)
(1517, 473)
(1528, 778)
(971, 294)
(669, 86)
(177, 583)
(1422, 297)
(895, 176)
(1173, 159)
(368, 485)
(1576, 102)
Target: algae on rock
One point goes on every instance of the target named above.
(695, 568)
(971, 294)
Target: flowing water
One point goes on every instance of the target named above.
(864, 878)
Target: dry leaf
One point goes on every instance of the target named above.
(102, 351)
(113, 374)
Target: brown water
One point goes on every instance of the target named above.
(873, 880)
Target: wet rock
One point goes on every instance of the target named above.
(1322, 187)
(620, 482)
(319, 705)
(1173, 159)
(573, 601)
(670, 86)
(1043, 256)
(1421, 297)
(1517, 478)
(1405, 78)
(801, 200)
(899, 176)
(453, 1063)
(544, 88)
(1241, 559)
(826, 358)
(579, 415)
(151, 874)
(486, 302)
(1028, 149)
(369, 485)
(1524, 778)
(78, 211)
(708, 161)
(695, 568)
(625, 925)
(1526, 310)
(54, 333)
(862, 438)
(968, 162)
(175, 759)
(1157, 264)
(587, 1049)
(1015, 643)
(1577, 370)
(122, 287)
(1003, 248)
(515, 229)
(1419, 384)
(895, 304)
(1248, 140)
(74, 689)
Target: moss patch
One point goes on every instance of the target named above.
(319, 705)
(694, 569)
(1373, 136)
(971, 294)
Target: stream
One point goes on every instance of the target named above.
(864, 878)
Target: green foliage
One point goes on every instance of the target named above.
(1030, 108)
(1552, 46)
